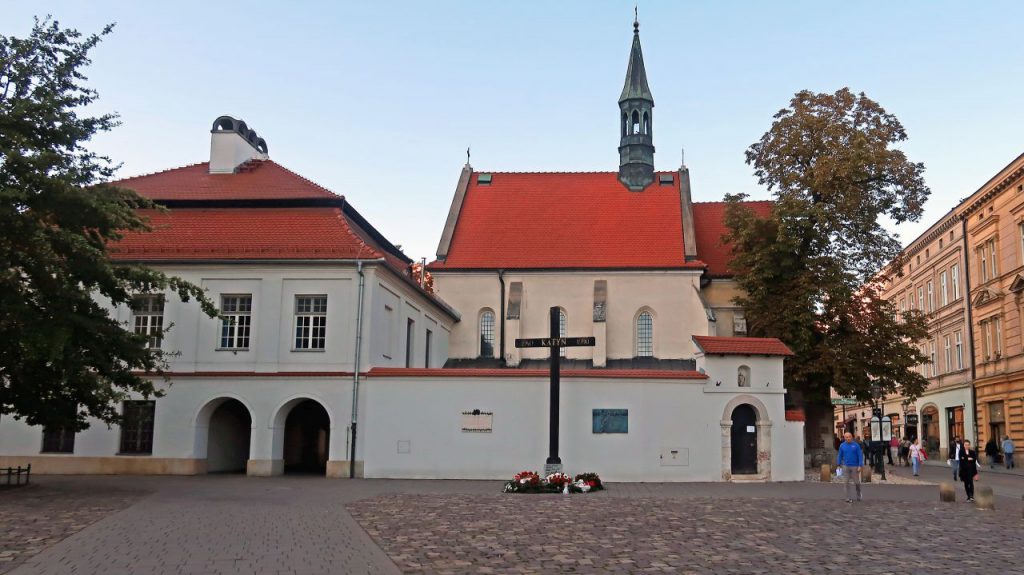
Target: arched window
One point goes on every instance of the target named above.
(644, 334)
(647, 124)
(636, 123)
(487, 333)
(743, 376)
(563, 328)
(625, 124)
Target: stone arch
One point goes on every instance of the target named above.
(283, 430)
(647, 124)
(764, 437)
(634, 127)
(625, 124)
(201, 421)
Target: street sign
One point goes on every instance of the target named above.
(839, 400)
(911, 419)
(557, 341)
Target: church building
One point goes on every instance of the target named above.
(334, 355)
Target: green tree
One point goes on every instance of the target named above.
(812, 272)
(63, 357)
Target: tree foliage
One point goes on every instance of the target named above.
(812, 272)
(64, 358)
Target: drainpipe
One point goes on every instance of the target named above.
(970, 327)
(501, 278)
(355, 370)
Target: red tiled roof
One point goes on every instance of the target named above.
(498, 372)
(567, 220)
(258, 180)
(709, 227)
(741, 345)
(244, 233)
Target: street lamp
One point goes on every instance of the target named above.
(881, 431)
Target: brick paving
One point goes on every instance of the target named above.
(309, 525)
(36, 516)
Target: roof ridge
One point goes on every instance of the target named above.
(348, 229)
(147, 174)
(305, 179)
(719, 202)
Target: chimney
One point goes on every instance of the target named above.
(232, 144)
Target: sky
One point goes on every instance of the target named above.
(378, 100)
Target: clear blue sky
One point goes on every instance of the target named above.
(378, 100)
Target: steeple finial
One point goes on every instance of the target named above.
(636, 19)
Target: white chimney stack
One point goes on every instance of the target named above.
(232, 144)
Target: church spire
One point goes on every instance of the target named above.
(636, 109)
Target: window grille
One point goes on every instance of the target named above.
(310, 321)
(644, 335)
(137, 427)
(487, 334)
(236, 322)
(148, 318)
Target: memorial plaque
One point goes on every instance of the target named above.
(611, 420)
(477, 421)
(557, 342)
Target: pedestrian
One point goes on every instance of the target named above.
(850, 460)
(954, 456)
(1008, 451)
(969, 469)
(916, 456)
(905, 453)
(991, 452)
(894, 446)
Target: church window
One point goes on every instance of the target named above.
(625, 124)
(636, 123)
(487, 333)
(743, 376)
(563, 328)
(644, 335)
(647, 123)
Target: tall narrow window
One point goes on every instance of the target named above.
(487, 334)
(997, 335)
(959, 351)
(310, 321)
(1020, 227)
(954, 273)
(563, 328)
(644, 335)
(148, 317)
(931, 359)
(903, 308)
(931, 296)
(948, 364)
(986, 341)
(410, 331)
(137, 427)
(427, 340)
(994, 268)
(389, 332)
(58, 440)
(236, 321)
(943, 291)
(983, 264)
(920, 299)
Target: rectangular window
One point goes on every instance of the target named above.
(389, 338)
(997, 335)
(931, 296)
(943, 289)
(986, 341)
(137, 427)
(58, 440)
(959, 351)
(410, 329)
(931, 359)
(954, 273)
(994, 269)
(426, 344)
(236, 321)
(310, 321)
(148, 318)
(949, 356)
(982, 264)
(1020, 227)
(920, 299)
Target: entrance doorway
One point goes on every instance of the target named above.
(227, 445)
(307, 434)
(744, 440)
(930, 429)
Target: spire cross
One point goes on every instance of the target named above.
(636, 19)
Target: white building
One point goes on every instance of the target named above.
(320, 309)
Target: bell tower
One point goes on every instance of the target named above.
(636, 118)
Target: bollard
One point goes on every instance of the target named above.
(984, 498)
(865, 474)
(947, 492)
(826, 473)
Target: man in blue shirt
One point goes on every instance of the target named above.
(850, 459)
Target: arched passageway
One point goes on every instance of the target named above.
(744, 440)
(307, 435)
(227, 445)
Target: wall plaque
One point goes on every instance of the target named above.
(611, 420)
(477, 421)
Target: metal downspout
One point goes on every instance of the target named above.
(970, 328)
(355, 370)
(501, 278)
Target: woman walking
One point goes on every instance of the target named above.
(916, 456)
(969, 469)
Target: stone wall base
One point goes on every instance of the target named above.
(338, 468)
(120, 465)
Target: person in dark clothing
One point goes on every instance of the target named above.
(968, 469)
(992, 452)
(955, 449)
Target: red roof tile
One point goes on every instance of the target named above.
(567, 220)
(709, 227)
(244, 233)
(712, 345)
(499, 372)
(258, 180)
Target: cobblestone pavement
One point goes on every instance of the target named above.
(598, 534)
(307, 525)
(35, 517)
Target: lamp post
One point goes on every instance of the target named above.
(881, 431)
